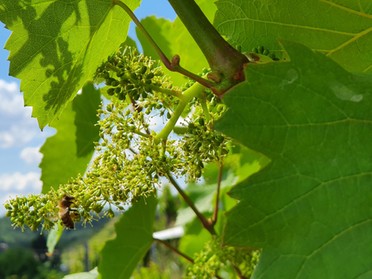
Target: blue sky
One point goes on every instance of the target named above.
(20, 137)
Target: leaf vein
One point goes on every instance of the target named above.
(346, 9)
(330, 240)
(351, 40)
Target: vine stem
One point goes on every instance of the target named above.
(171, 92)
(226, 62)
(172, 65)
(174, 249)
(203, 102)
(195, 90)
(206, 224)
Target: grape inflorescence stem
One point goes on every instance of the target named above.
(192, 92)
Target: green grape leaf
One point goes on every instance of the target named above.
(56, 46)
(173, 38)
(341, 29)
(121, 255)
(54, 236)
(68, 152)
(310, 208)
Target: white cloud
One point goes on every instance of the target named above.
(8, 86)
(16, 126)
(11, 100)
(20, 182)
(31, 155)
(17, 135)
(17, 184)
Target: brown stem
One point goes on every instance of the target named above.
(174, 249)
(206, 224)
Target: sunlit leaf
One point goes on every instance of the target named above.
(68, 152)
(134, 231)
(54, 236)
(56, 46)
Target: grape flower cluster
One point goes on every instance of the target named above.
(216, 257)
(130, 157)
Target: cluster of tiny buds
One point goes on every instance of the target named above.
(201, 144)
(128, 73)
(215, 257)
(82, 199)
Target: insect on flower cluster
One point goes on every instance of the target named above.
(66, 213)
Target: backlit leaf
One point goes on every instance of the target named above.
(68, 152)
(134, 231)
(56, 46)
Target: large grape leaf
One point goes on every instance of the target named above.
(121, 255)
(56, 46)
(68, 152)
(173, 38)
(342, 29)
(310, 208)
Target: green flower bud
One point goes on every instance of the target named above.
(111, 91)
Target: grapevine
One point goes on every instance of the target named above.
(131, 156)
(303, 106)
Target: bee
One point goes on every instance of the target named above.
(65, 212)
